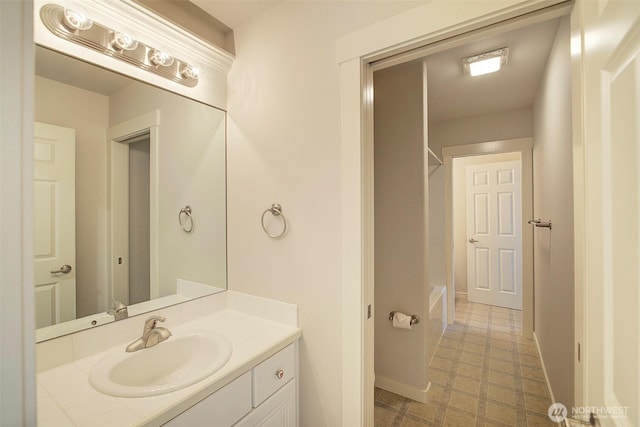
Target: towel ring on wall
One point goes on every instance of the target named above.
(276, 210)
(185, 216)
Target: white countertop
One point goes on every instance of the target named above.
(65, 397)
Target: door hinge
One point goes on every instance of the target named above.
(369, 311)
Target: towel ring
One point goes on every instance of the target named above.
(186, 211)
(276, 210)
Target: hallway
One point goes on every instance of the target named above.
(483, 374)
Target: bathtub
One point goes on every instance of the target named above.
(437, 318)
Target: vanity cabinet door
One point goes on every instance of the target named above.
(221, 409)
(273, 373)
(279, 410)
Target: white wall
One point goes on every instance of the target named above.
(401, 228)
(437, 240)
(88, 113)
(553, 200)
(484, 128)
(285, 146)
(460, 236)
(191, 169)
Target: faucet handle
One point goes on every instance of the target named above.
(150, 323)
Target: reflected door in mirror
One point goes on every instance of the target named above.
(54, 216)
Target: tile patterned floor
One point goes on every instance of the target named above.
(483, 374)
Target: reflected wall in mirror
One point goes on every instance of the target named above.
(115, 161)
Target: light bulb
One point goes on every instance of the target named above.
(190, 72)
(160, 58)
(76, 19)
(123, 41)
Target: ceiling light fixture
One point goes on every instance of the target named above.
(485, 63)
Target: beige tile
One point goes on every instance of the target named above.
(470, 370)
(533, 373)
(407, 422)
(441, 363)
(490, 423)
(500, 378)
(472, 358)
(475, 338)
(474, 348)
(535, 403)
(434, 395)
(451, 343)
(539, 420)
(479, 331)
(467, 384)
(463, 401)
(501, 394)
(530, 360)
(438, 376)
(390, 399)
(538, 388)
(501, 354)
(426, 411)
(502, 413)
(455, 418)
(501, 335)
(526, 348)
(446, 353)
(501, 365)
(501, 344)
(383, 417)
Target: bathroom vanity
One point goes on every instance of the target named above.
(257, 384)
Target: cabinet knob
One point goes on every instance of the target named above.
(280, 374)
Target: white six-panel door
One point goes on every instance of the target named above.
(54, 221)
(494, 245)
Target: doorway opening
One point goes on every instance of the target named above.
(464, 118)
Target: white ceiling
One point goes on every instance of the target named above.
(453, 95)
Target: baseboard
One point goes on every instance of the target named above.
(544, 369)
(461, 296)
(402, 389)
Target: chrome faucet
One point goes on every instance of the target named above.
(119, 311)
(151, 335)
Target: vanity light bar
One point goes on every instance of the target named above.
(78, 28)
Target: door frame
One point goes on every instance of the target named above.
(424, 30)
(117, 137)
(524, 146)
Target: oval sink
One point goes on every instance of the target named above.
(184, 359)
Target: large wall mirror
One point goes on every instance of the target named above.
(130, 201)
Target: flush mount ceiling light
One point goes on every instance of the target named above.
(74, 25)
(485, 63)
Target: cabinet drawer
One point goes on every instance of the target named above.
(221, 409)
(273, 373)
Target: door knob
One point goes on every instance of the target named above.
(472, 240)
(65, 269)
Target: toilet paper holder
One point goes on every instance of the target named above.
(415, 319)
